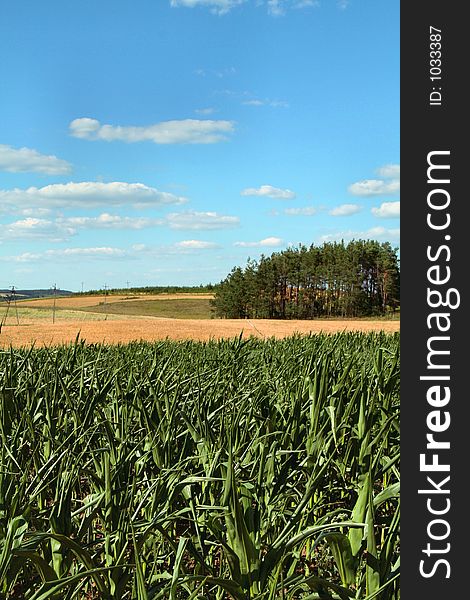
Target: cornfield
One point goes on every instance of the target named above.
(237, 469)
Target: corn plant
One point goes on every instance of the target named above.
(242, 469)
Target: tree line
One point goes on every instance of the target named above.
(152, 289)
(332, 280)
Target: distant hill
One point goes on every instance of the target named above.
(27, 294)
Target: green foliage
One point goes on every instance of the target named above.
(335, 280)
(242, 469)
(152, 289)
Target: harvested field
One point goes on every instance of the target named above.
(117, 330)
(78, 302)
(84, 316)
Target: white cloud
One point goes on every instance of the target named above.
(196, 245)
(186, 131)
(135, 252)
(278, 8)
(219, 73)
(374, 233)
(62, 228)
(275, 8)
(248, 98)
(107, 221)
(389, 171)
(205, 111)
(254, 102)
(306, 211)
(219, 7)
(86, 194)
(99, 252)
(276, 103)
(21, 258)
(386, 210)
(374, 187)
(344, 210)
(23, 160)
(34, 212)
(306, 3)
(68, 253)
(172, 250)
(266, 102)
(84, 128)
(270, 192)
(269, 242)
(378, 187)
(33, 228)
(343, 4)
(201, 220)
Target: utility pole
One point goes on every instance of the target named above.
(82, 287)
(54, 288)
(5, 315)
(13, 295)
(105, 306)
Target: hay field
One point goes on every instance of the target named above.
(75, 317)
(80, 302)
(115, 330)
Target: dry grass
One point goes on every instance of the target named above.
(80, 302)
(117, 330)
(72, 319)
(28, 316)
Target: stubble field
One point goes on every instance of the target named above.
(121, 319)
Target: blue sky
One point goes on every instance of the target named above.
(164, 142)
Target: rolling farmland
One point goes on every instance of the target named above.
(120, 319)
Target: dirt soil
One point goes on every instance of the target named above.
(130, 329)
